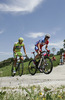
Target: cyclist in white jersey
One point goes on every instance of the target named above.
(39, 44)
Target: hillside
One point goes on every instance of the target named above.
(6, 62)
(5, 66)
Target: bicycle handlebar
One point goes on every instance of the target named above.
(45, 53)
(26, 56)
(42, 51)
(33, 52)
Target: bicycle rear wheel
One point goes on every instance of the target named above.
(32, 67)
(46, 66)
(20, 69)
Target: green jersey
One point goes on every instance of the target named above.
(18, 46)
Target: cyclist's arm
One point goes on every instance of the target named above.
(46, 47)
(24, 49)
(14, 49)
(39, 45)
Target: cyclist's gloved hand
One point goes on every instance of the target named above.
(48, 51)
(27, 56)
(40, 50)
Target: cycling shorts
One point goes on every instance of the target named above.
(17, 54)
(36, 48)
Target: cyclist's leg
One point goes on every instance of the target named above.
(20, 55)
(37, 51)
(21, 65)
(15, 61)
(21, 58)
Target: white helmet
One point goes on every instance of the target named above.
(47, 35)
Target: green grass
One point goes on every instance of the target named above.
(6, 71)
(34, 93)
(55, 63)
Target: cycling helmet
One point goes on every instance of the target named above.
(20, 39)
(47, 35)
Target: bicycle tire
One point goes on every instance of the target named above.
(46, 67)
(12, 74)
(32, 68)
(20, 69)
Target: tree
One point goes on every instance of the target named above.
(62, 49)
(60, 52)
(64, 44)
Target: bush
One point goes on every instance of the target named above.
(6, 62)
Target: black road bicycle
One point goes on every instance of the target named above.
(19, 67)
(44, 64)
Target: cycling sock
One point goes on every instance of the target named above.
(14, 68)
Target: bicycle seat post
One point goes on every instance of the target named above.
(33, 54)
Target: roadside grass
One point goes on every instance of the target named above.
(6, 71)
(55, 63)
(34, 93)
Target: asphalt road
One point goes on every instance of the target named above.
(55, 79)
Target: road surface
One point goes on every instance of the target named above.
(55, 79)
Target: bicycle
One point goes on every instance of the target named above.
(19, 67)
(44, 64)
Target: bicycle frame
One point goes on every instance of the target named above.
(33, 54)
(42, 56)
(19, 61)
(44, 65)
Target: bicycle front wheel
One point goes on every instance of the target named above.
(46, 65)
(20, 69)
(12, 68)
(32, 67)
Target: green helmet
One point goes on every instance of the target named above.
(20, 39)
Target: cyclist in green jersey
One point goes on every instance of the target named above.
(17, 51)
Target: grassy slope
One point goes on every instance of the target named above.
(6, 71)
(55, 63)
